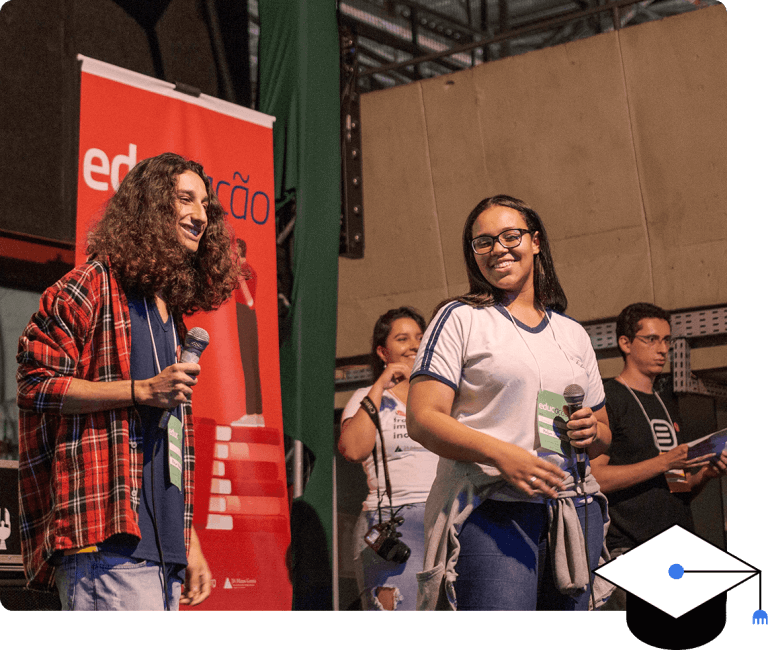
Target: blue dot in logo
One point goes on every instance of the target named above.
(676, 571)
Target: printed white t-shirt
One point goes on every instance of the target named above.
(411, 466)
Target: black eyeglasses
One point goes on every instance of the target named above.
(653, 340)
(510, 238)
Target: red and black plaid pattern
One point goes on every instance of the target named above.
(79, 475)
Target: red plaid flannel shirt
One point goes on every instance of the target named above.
(80, 475)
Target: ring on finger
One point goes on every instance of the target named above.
(532, 480)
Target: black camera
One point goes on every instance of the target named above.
(382, 538)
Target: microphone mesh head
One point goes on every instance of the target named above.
(573, 394)
(198, 334)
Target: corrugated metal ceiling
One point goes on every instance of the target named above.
(390, 33)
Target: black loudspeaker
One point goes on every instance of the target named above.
(13, 594)
(16, 598)
(201, 43)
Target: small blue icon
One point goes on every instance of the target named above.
(760, 618)
(676, 571)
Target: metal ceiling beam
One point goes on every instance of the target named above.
(385, 38)
(525, 28)
(465, 29)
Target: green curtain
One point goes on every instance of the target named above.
(299, 86)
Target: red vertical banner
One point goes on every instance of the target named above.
(241, 501)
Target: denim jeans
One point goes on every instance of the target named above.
(504, 563)
(103, 581)
(374, 571)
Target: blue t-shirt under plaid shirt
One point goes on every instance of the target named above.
(160, 500)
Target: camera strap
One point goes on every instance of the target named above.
(373, 413)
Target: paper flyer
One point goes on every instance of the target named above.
(714, 443)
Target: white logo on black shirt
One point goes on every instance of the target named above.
(664, 435)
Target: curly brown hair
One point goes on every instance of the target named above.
(137, 234)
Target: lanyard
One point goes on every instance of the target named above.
(557, 343)
(154, 346)
(580, 455)
(642, 408)
(370, 408)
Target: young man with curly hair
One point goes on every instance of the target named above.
(106, 508)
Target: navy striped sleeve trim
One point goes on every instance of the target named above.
(434, 375)
(599, 406)
(429, 350)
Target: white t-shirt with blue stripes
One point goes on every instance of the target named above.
(497, 365)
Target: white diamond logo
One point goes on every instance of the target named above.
(676, 571)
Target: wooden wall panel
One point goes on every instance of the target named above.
(457, 159)
(556, 134)
(403, 261)
(618, 141)
(676, 93)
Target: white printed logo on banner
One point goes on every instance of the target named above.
(96, 162)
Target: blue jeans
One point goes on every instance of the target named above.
(374, 571)
(109, 582)
(504, 563)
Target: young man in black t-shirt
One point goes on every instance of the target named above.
(645, 441)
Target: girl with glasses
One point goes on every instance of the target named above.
(507, 518)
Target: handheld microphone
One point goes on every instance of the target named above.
(197, 340)
(574, 397)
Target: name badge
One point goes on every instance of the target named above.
(551, 421)
(175, 445)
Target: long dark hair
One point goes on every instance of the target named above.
(548, 294)
(382, 329)
(138, 235)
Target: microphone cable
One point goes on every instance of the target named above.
(153, 515)
(582, 472)
(574, 398)
(163, 577)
